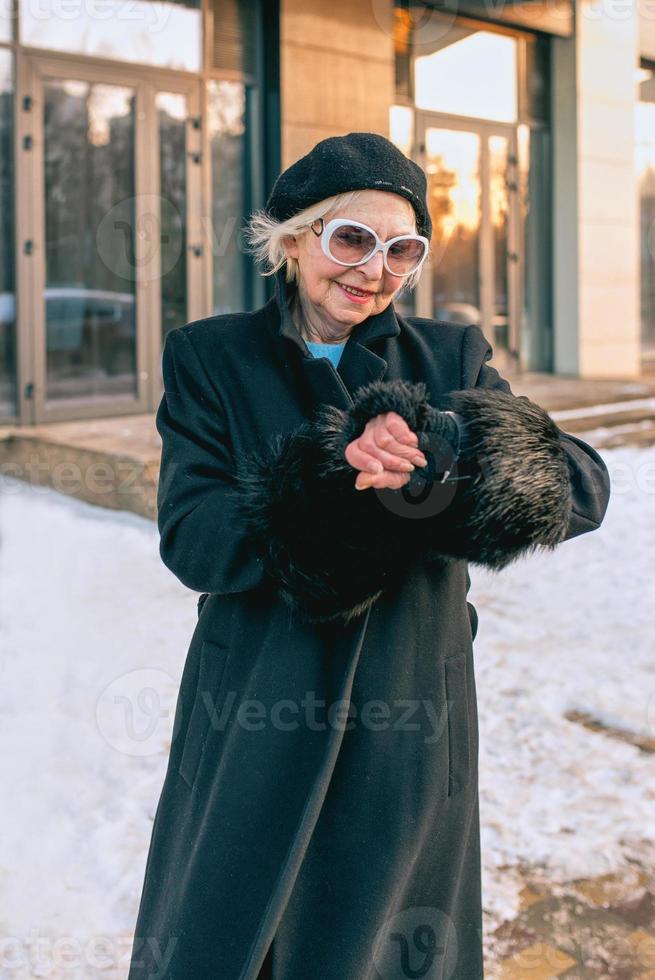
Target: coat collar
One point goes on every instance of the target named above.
(357, 366)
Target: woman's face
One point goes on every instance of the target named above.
(322, 280)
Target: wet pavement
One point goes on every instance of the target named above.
(599, 928)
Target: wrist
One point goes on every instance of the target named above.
(441, 444)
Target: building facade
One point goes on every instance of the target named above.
(136, 136)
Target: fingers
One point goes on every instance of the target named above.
(389, 435)
(381, 481)
(375, 460)
(361, 460)
(386, 443)
(398, 427)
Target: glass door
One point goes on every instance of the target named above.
(181, 260)
(181, 235)
(111, 158)
(472, 275)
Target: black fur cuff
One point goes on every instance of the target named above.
(408, 399)
(323, 542)
(515, 491)
(333, 550)
(313, 530)
(507, 488)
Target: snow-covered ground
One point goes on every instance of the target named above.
(571, 629)
(93, 635)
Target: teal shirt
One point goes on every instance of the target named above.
(331, 351)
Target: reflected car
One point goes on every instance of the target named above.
(92, 326)
(467, 313)
(464, 313)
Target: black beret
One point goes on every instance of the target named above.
(358, 161)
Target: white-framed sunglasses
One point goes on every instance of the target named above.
(350, 243)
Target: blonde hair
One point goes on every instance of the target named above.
(265, 236)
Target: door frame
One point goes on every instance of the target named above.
(425, 119)
(33, 69)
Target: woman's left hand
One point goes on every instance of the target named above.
(386, 452)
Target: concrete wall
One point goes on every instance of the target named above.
(647, 29)
(598, 212)
(337, 70)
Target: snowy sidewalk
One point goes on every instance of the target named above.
(93, 635)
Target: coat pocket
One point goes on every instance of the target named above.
(459, 743)
(206, 709)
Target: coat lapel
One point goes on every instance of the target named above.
(358, 364)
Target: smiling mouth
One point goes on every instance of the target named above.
(356, 292)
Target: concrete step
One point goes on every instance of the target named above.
(638, 434)
(629, 422)
(589, 417)
(110, 462)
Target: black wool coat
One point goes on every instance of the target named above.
(319, 815)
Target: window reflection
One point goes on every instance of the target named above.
(453, 172)
(172, 115)
(469, 73)
(5, 21)
(227, 106)
(534, 180)
(499, 207)
(89, 241)
(7, 284)
(165, 33)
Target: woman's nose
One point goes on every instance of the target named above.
(374, 267)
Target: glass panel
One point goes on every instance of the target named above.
(645, 154)
(165, 33)
(172, 114)
(535, 206)
(7, 283)
(468, 73)
(537, 75)
(499, 208)
(453, 172)
(402, 44)
(6, 20)
(90, 259)
(227, 104)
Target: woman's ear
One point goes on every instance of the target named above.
(290, 243)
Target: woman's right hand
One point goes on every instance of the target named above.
(386, 453)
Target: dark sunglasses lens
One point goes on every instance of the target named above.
(404, 256)
(348, 243)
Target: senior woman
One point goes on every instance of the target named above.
(329, 469)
